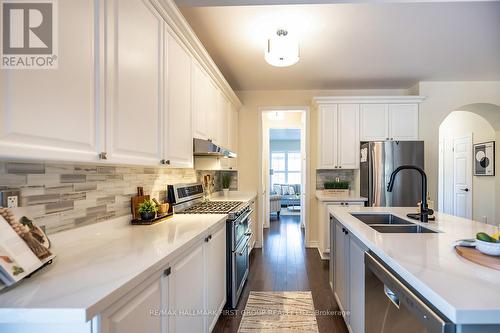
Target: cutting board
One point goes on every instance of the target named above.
(136, 201)
(477, 257)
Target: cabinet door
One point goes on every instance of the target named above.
(348, 136)
(327, 140)
(403, 122)
(199, 101)
(233, 136)
(341, 255)
(185, 291)
(212, 111)
(132, 315)
(51, 114)
(215, 276)
(134, 82)
(374, 122)
(222, 119)
(178, 138)
(356, 285)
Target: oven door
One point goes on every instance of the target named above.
(240, 230)
(240, 266)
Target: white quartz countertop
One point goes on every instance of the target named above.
(328, 197)
(98, 264)
(234, 196)
(465, 292)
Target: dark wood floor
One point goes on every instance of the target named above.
(286, 265)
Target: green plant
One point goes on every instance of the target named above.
(148, 206)
(342, 185)
(226, 180)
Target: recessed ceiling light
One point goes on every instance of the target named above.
(282, 49)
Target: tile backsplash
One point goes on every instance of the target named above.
(65, 196)
(323, 176)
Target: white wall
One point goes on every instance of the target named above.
(442, 98)
(460, 124)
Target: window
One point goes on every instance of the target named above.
(286, 167)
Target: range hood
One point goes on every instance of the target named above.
(208, 148)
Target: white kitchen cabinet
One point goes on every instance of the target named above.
(338, 136)
(212, 111)
(349, 276)
(381, 122)
(324, 223)
(403, 122)
(223, 106)
(374, 125)
(51, 114)
(178, 136)
(134, 74)
(133, 313)
(200, 96)
(215, 252)
(186, 292)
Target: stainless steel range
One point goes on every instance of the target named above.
(189, 199)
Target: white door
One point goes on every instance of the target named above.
(374, 124)
(348, 136)
(327, 136)
(222, 119)
(403, 122)
(178, 138)
(211, 107)
(199, 101)
(134, 86)
(215, 253)
(341, 254)
(133, 315)
(356, 285)
(51, 114)
(462, 179)
(185, 286)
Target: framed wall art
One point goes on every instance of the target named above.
(484, 159)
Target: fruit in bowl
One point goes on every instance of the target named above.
(487, 244)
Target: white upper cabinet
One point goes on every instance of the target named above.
(380, 122)
(134, 82)
(403, 122)
(223, 107)
(199, 98)
(211, 108)
(338, 136)
(51, 114)
(327, 139)
(348, 136)
(178, 136)
(374, 122)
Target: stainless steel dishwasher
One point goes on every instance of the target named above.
(392, 307)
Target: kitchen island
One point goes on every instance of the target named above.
(466, 293)
(115, 277)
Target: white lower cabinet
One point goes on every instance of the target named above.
(215, 253)
(134, 313)
(324, 223)
(349, 276)
(185, 285)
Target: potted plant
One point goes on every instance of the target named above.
(226, 182)
(337, 187)
(148, 210)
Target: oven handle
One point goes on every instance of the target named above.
(245, 244)
(243, 218)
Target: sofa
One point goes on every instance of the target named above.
(289, 193)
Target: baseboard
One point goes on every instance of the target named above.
(312, 244)
(324, 256)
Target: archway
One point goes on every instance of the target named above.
(463, 127)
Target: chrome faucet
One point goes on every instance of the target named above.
(424, 209)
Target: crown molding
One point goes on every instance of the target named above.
(178, 24)
(367, 99)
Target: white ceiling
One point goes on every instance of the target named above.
(353, 46)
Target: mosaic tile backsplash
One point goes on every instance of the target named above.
(323, 176)
(65, 196)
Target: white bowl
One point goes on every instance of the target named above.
(492, 249)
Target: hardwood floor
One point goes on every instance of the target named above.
(286, 265)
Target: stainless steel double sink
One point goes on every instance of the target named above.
(388, 223)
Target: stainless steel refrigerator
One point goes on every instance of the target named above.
(378, 160)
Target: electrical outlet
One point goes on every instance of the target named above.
(12, 201)
(9, 198)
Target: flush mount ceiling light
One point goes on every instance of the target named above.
(276, 115)
(282, 49)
